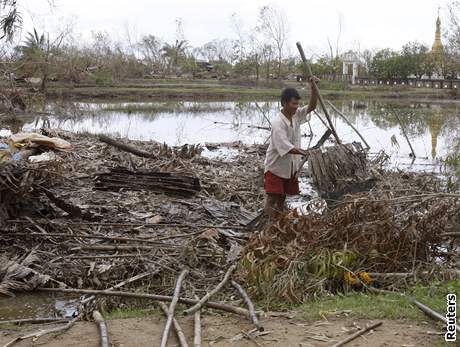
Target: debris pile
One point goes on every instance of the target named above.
(106, 214)
(398, 226)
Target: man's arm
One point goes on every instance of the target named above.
(303, 112)
(314, 95)
(297, 151)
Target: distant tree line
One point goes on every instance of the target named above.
(258, 53)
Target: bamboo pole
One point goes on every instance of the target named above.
(357, 334)
(349, 123)
(433, 314)
(172, 307)
(249, 304)
(178, 329)
(208, 295)
(103, 331)
(308, 73)
(155, 297)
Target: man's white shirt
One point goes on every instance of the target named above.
(285, 137)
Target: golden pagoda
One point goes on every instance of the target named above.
(437, 49)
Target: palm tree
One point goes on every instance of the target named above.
(173, 52)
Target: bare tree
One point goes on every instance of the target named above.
(274, 25)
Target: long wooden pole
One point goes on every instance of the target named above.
(155, 297)
(308, 73)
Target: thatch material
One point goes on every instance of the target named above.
(340, 169)
(20, 276)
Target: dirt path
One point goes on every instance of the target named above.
(218, 331)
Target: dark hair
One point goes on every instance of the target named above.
(287, 94)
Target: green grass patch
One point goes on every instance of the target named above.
(128, 313)
(382, 306)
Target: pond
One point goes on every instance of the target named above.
(433, 129)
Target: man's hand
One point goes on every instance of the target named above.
(313, 79)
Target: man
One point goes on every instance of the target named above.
(284, 152)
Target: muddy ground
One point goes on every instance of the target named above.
(222, 331)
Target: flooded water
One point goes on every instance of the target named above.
(30, 305)
(433, 129)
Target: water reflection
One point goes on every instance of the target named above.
(433, 129)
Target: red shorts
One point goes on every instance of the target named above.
(277, 185)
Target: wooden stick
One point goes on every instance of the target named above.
(179, 332)
(208, 295)
(155, 297)
(405, 135)
(197, 328)
(433, 314)
(127, 148)
(76, 236)
(121, 284)
(103, 331)
(249, 304)
(349, 123)
(147, 225)
(34, 320)
(321, 119)
(308, 73)
(357, 334)
(172, 307)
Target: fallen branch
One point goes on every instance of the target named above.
(249, 304)
(357, 334)
(172, 307)
(127, 148)
(208, 295)
(155, 297)
(103, 331)
(179, 332)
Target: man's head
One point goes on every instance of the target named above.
(290, 100)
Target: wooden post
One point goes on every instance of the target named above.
(308, 73)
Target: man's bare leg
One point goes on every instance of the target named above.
(274, 204)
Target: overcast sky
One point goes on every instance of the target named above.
(365, 23)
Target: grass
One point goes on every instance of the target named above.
(213, 90)
(382, 306)
(129, 313)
